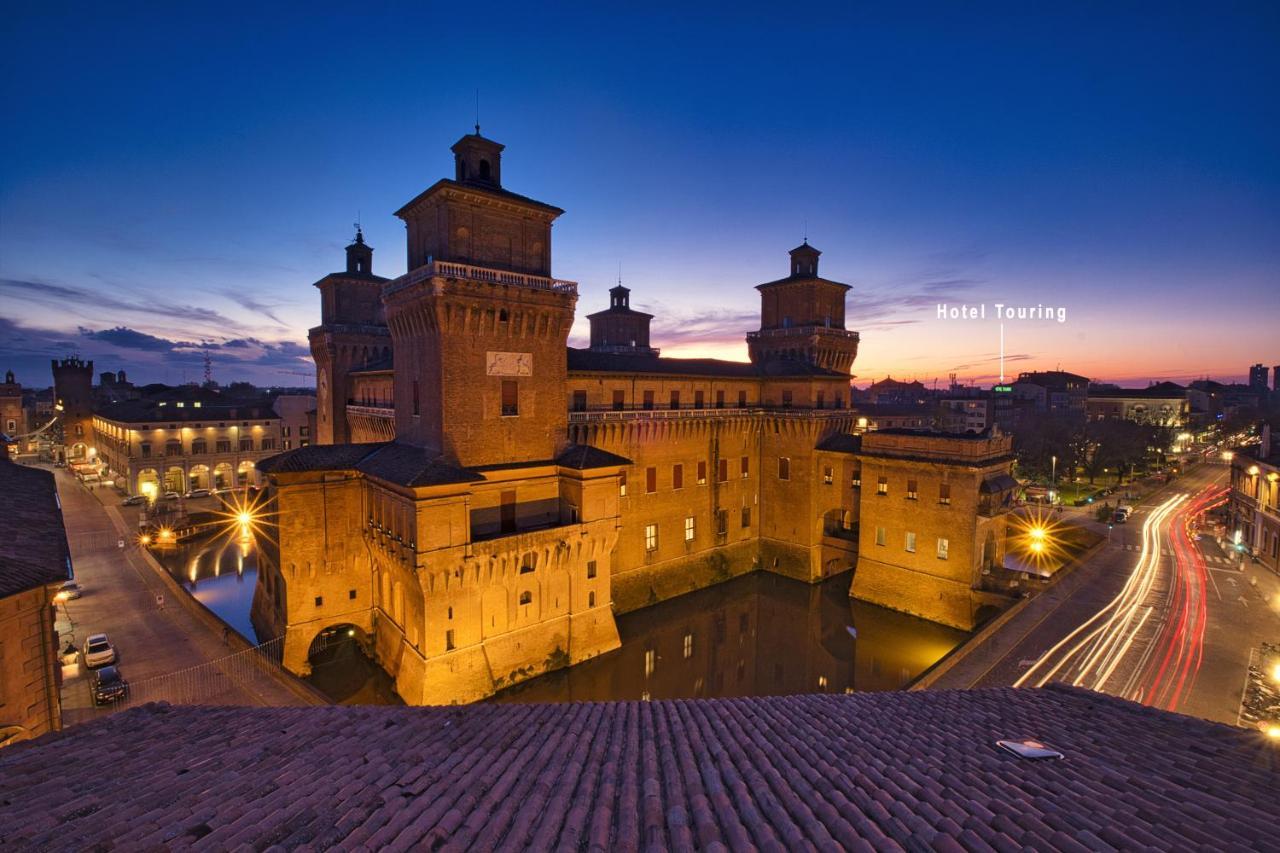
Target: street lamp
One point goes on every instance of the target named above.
(1053, 478)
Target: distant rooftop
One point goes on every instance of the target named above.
(185, 410)
(33, 540)
(920, 770)
(586, 360)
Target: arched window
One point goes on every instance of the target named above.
(526, 597)
(484, 170)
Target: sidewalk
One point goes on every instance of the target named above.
(156, 627)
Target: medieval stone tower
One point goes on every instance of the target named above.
(802, 318)
(73, 390)
(352, 334)
(478, 325)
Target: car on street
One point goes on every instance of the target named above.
(198, 493)
(69, 591)
(171, 496)
(98, 651)
(134, 500)
(109, 686)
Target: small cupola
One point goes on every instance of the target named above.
(478, 160)
(620, 298)
(804, 261)
(359, 256)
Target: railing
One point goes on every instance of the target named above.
(485, 274)
(802, 330)
(709, 412)
(372, 411)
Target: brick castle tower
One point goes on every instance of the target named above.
(802, 318)
(73, 390)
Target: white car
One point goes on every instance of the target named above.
(98, 651)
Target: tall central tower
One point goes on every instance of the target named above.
(479, 326)
(802, 318)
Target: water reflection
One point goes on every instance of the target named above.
(757, 635)
(220, 571)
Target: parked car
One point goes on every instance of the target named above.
(171, 496)
(198, 493)
(134, 500)
(109, 686)
(69, 591)
(98, 651)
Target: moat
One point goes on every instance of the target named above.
(756, 635)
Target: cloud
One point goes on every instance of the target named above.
(127, 338)
(94, 302)
(266, 309)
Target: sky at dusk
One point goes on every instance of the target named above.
(174, 181)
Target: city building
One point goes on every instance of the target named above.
(890, 391)
(183, 441)
(483, 498)
(1164, 404)
(34, 562)
(1055, 391)
(73, 401)
(13, 415)
(1253, 509)
(1258, 378)
(885, 771)
(967, 414)
(295, 421)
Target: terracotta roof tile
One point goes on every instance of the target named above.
(866, 771)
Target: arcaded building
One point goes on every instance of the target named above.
(483, 498)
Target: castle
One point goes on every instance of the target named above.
(483, 498)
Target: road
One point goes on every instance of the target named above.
(1159, 614)
(165, 651)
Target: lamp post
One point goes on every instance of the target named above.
(1053, 480)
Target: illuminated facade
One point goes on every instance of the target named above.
(483, 498)
(151, 447)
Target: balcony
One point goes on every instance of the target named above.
(376, 410)
(488, 275)
(799, 331)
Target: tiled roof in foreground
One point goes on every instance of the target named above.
(875, 770)
(33, 540)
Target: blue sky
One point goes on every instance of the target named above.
(176, 180)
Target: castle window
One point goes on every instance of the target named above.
(786, 398)
(484, 170)
(702, 473)
(650, 663)
(503, 316)
(526, 597)
(742, 399)
(222, 445)
(822, 400)
(746, 517)
(579, 401)
(944, 493)
(880, 538)
(784, 468)
(268, 444)
(651, 537)
(688, 646)
(677, 476)
(591, 599)
(944, 547)
(698, 399)
(688, 528)
(526, 568)
(913, 492)
(319, 601)
(619, 400)
(351, 594)
(199, 447)
(648, 400)
(591, 569)
(745, 467)
(174, 448)
(246, 444)
(145, 448)
(882, 486)
(828, 475)
(510, 398)
(650, 480)
(622, 484)
(722, 522)
(719, 399)
(675, 400)
(448, 641)
(855, 479)
(910, 543)
(722, 470)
